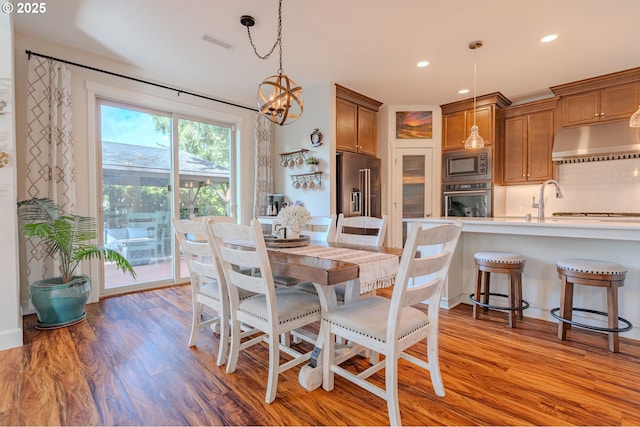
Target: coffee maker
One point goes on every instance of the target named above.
(274, 204)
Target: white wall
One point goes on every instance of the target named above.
(319, 107)
(84, 130)
(605, 186)
(10, 319)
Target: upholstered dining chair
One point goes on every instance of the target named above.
(397, 325)
(207, 284)
(274, 311)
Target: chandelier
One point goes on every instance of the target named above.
(279, 97)
(474, 140)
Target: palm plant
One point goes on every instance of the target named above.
(66, 236)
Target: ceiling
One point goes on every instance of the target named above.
(370, 46)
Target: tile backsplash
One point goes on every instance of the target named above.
(604, 186)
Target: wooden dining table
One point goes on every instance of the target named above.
(323, 273)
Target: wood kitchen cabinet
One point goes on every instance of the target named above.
(527, 133)
(457, 119)
(356, 122)
(608, 98)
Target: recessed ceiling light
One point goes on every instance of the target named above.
(423, 64)
(463, 91)
(549, 38)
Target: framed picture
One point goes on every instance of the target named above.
(414, 124)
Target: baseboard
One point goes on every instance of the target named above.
(11, 338)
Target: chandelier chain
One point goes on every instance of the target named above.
(278, 41)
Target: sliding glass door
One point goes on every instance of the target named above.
(145, 155)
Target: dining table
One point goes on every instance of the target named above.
(326, 264)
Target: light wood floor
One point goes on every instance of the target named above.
(129, 364)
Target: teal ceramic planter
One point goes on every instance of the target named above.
(60, 304)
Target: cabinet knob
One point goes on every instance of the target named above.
(602, 114)
(597, 114)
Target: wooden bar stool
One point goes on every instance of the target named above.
(501, 263)
(576, 271)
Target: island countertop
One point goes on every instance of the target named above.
(543, 244)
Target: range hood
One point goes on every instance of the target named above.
(596, 142)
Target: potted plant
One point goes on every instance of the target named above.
(313, 163)
(60, 301)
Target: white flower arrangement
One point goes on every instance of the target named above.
(294, 217)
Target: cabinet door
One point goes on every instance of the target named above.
(367, 131)
(454, 130)
(539, 144)
(514, 163)
(346, 125)
(484, 120)
(582, 108)
(619, 102)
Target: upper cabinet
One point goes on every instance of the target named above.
(527, 132)
(356, 122)
(608, 98)
(458, 117)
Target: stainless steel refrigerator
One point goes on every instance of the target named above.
(358, 188)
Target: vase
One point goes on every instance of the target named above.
(60, 304)
(293, 233)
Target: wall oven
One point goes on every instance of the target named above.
(467, 165)
(470, 199)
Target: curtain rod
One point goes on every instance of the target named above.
(111, 73)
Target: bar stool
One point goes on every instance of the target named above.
(576, 271)
(501, 263)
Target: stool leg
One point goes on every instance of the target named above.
(512, 300)
(612, 309)
(487, 289)
(519, 293)
(566, 307)
(478, 295)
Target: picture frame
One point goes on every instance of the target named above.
(414, 124)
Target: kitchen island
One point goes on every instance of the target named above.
(544, 243)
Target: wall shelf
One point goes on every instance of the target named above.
(306, 180)
(291, 158)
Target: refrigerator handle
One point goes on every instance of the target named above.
(366, 189)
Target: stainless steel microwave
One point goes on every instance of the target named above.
(467, 165)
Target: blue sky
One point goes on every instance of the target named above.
(130, 127)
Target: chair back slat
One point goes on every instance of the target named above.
(352, 230)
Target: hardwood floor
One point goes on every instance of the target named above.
(129, 364)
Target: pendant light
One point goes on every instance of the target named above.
(279, 97)
(474, 140)
(634, 121)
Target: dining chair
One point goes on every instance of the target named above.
(207, 284)
(397, 325)
(361, 230)
(320, 228)
(274, 311)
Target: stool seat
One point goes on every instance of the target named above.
(508, 263)
(589, 272)
(501, 257)
(590, 266)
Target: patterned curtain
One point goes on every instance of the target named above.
(264, 174)
(50, 167)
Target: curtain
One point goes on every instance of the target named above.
(264, 174)
(49, 160)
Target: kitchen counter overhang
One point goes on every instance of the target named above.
(543, 244)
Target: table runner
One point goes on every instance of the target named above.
(377, 270)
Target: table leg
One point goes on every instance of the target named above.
(310, 376)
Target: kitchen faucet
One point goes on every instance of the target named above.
(540, 204)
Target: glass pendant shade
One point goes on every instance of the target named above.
(280, 99)
(474, 140)
(634, 121)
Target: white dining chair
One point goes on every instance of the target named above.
(361, 230)
(320, 228)
(274, 311)
(206, 287)
(397, 325)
